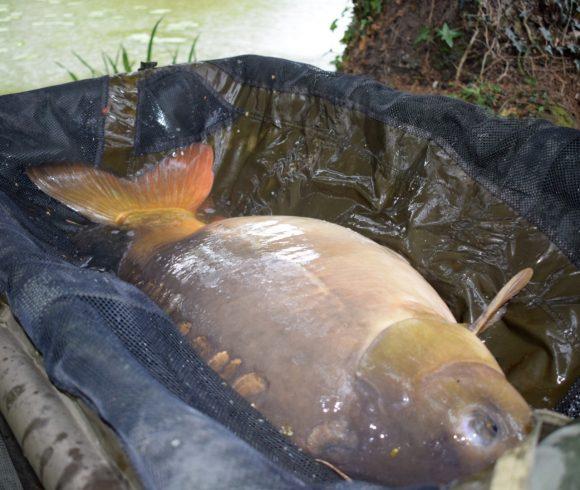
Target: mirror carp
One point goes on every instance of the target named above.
(337, 340)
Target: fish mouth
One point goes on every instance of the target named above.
(484, 414)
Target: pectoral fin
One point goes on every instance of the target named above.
(494, 311)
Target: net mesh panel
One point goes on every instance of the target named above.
(62, 123)
(143, 371)
(201, 111)
(570, 404)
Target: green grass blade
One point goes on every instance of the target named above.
(151, 38)
(192, 54)
(127, 65)
(105, 63)
(112, 63)
(174, 58)
(70, 73)
(85, 63)
(117, 55)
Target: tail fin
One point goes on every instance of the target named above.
(181, 181)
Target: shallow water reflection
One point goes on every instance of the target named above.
(34, 34)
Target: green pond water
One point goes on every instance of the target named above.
(35, 34)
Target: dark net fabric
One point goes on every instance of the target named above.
(107, 343)
(62, 123)
(570, 404)
(200, 110)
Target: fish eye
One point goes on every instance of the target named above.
(479, 428)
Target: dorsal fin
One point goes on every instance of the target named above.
(513, 287)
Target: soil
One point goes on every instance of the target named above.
(403, 46)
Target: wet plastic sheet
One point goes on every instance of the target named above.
(467, 198)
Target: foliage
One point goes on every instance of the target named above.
(553, 29)
(364, 13)
(151, 39)
(425, 36)
(122, 62)
(371, 7)
(533, 31)
(515, 57)
(447, 35)
(347, 37)
(507, 102)
(444, 33)
(483, 94)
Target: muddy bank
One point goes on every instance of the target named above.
(516, 58)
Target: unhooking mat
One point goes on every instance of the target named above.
(468, 198)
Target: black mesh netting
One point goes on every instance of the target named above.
(107, 343)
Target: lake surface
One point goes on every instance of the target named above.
(36, 34)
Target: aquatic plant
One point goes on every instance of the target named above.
(121, 62)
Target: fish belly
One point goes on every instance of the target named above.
(283, 307)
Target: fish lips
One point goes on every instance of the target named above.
(479, 414)
(440, 426)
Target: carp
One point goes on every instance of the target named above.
(335, 339)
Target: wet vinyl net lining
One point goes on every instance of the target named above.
(107, 343)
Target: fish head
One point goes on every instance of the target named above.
(432, 405)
